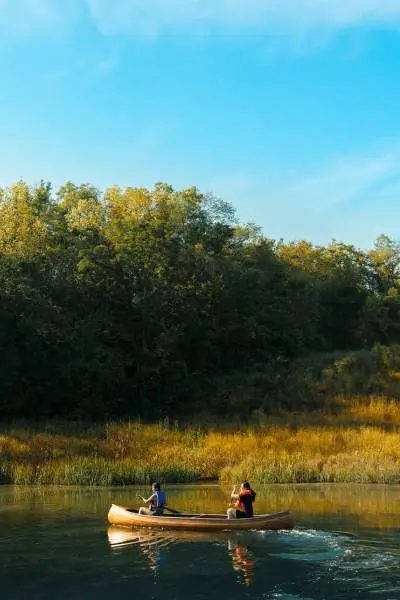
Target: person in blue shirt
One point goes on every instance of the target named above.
(157, 501)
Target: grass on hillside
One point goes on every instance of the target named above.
(356, 443)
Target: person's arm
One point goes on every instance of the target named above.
(234, 495)
(148, 499)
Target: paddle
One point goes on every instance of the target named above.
(171, 510)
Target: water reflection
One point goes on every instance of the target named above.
(157, 544)
(345, 546)
(242, 561)
(354, 507)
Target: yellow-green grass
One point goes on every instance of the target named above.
(358, 442)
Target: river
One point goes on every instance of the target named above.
(55, 544)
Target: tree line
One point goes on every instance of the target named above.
(138, 302)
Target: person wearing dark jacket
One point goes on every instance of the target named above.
(243, 507)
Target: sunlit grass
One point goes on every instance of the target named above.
(355, 442)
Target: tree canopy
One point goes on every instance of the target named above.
(133, 301)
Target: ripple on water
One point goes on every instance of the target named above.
(359, 564)
(311, 546)
(375, 570)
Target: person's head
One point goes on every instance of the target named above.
(245, 485)
(155, 487)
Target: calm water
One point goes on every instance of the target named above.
(55, 544)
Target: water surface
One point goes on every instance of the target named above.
(55, 543)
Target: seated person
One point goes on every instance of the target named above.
(156, 502)
(243, 507)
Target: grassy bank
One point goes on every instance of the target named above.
(358, 442)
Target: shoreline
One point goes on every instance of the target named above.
(358, 445)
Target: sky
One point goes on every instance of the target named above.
(287, 109)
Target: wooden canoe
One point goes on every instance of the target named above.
(129, 517)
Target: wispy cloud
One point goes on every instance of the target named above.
(107, 65)
(152, 17)
(270, 16)
(339, 182)
(30, 17)
(326, 200)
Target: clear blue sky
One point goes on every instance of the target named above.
(289, 109)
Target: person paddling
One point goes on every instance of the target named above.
(243, 507)
(156, 502)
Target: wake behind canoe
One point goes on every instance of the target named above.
(129, 517)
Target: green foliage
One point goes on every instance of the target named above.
(158, 302)
(315, 380)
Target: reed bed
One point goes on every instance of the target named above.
(358, 441)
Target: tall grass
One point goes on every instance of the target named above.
(358, 442)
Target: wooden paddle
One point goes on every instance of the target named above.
(172, 510)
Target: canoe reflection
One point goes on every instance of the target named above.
(156, 543)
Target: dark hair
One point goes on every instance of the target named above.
(156, 486)
(247, 486)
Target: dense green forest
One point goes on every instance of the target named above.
(155, 303)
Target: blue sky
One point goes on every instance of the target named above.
(288, 109)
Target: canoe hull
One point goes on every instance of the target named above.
(128, 517)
